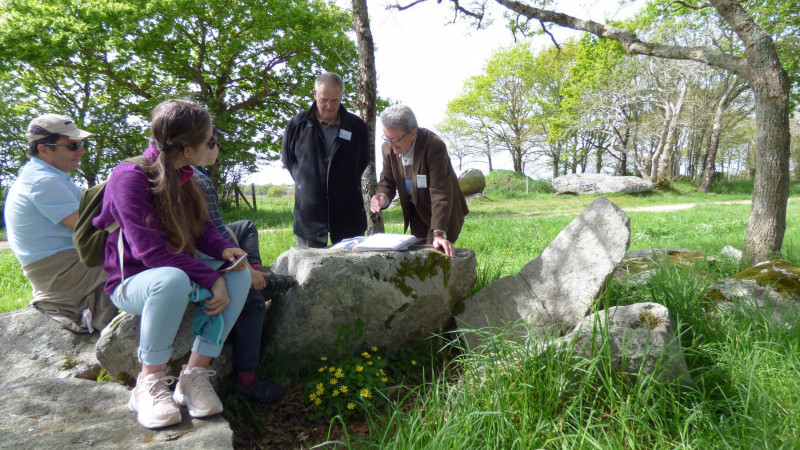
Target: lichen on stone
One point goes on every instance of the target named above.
(421, 268)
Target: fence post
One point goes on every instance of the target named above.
(253, 192)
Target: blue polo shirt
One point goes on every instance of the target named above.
(40, 198)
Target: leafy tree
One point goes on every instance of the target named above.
(249, 62)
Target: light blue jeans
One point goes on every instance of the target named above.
(161, 295)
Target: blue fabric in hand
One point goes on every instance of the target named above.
(205, 326)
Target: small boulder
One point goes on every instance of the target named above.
(555, 291)
(640, 337)
(391, 299)
(771, 286)
(472, 181)
(117, 349)
(597, 183)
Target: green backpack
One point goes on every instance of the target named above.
(89, 240)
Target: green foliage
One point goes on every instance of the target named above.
(251, 63)
(276, 191)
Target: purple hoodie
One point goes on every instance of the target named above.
(128, 201)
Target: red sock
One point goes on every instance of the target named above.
(245, 379)
(256, 266)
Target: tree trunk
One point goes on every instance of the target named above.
(731, 92)
(367, 86)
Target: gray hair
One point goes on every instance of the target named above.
(399, 116)
(329, 79)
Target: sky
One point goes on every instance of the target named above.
(422, 60)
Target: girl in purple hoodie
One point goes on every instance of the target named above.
(170, 253)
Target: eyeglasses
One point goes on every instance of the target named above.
(72, 146)
(394, 141)
(213, 143)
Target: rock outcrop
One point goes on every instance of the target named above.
(554, 292)
(596, 183)
(49, 396)
(400, 298)
(471, 182)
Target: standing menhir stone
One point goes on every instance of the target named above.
(555, 291)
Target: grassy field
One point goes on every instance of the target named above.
(744, 367)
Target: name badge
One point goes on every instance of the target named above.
(344, 134)
(422, 181)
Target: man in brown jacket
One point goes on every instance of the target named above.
(417, 166)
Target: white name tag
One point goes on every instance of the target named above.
(422, 181)
(344, 134)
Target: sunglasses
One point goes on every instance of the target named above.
(213, 143)
(72, 146)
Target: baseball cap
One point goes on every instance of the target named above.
(50, 124)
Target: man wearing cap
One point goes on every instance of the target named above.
(40, 213)
(326, 149)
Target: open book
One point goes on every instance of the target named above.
(378, 242)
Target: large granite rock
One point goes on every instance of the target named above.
(117, 350)
(402, 298)
(555, 291)
(45, 413)
(36, 346)
(596, 183)
(471, 181)
(640, 339)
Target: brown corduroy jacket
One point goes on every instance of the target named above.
(440, 205)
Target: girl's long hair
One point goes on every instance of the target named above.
(181, 208)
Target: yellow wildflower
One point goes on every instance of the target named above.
(413, 363)
(332, 369)
(379, 358)
(322, 369)
(320, 387)
(359, 368)
(366, 355)
(369, 362)
(384, 379)
(318, 401)
(324, 358)
(335, 393)
(339, 374)
(374, 349)
(366, 393)
(343, 389)
(334, 380)
(312, 397)
(351, 405)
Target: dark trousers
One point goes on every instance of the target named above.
(303, 242)
(248, 327)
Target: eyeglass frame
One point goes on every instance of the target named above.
(213, 143)
(395, 141)
(72, 146)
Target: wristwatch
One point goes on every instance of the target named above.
(440, 233)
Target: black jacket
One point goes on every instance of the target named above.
(327, 196)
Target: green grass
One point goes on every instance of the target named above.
(15, 289)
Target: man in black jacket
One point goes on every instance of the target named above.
(325, 149)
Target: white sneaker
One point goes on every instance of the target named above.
(151, 400)
(194, 391)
